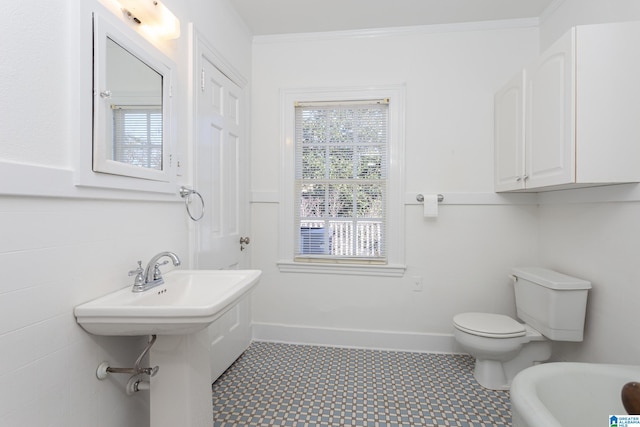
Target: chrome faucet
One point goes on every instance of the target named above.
(152, 276)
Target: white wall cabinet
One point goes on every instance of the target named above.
(572, 117)
(509, 135)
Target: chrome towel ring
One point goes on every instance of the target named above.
(186, 194)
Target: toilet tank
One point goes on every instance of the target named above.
(552, 303)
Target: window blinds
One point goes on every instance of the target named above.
(137, 134)
(341, 181)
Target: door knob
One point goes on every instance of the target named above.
(244, 241)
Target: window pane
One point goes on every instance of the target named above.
(314, 164)
(370, 162)
(312, 201)
(314, 240)
(341, 126)
(340, 200)
(341, 153)
(369, 238)
(373, 127)
(313, 126)
(342, 238)
(340, 162)
(370, 198)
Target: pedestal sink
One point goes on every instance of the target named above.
(178, 312)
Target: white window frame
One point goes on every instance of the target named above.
(395, 266)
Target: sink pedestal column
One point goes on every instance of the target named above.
(181, 391)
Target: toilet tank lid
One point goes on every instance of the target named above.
(550, 278)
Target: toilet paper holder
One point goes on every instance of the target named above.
(420, 198)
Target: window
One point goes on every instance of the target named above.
(137, 134)
(340, 180)
(342, 203)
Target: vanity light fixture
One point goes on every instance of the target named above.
(153, 15)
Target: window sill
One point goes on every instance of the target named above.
(344, 269)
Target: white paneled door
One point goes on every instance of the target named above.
(221, 177)
(220, 158)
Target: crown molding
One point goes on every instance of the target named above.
(400, 31)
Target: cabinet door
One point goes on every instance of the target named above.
(549, 117)
(608, 107)
(509, 135)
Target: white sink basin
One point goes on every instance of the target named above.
(187, 302)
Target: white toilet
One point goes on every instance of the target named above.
(551, 304)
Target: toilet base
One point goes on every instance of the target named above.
(490, 374)
(496, 375)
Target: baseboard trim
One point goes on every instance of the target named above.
(379, 340)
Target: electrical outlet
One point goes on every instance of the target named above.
(417, 283)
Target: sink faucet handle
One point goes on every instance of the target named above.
(157, 274)
(139, 273)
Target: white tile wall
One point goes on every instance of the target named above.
(55, 254)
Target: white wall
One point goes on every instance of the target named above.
(597, 239)
(29, 32)
(57, 252)
(464, 256)
(594, 233)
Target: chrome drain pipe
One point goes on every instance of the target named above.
(104, 369)
(135, 384)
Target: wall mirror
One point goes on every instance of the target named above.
(131, 104)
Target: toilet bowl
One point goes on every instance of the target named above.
(552, 307)
(501, 346)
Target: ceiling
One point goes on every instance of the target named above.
(264, 17)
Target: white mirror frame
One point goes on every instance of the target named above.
(113, 174)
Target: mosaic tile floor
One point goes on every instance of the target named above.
(306, 386)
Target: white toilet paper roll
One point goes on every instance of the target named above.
(430, 205)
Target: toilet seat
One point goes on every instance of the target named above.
(489, 325)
